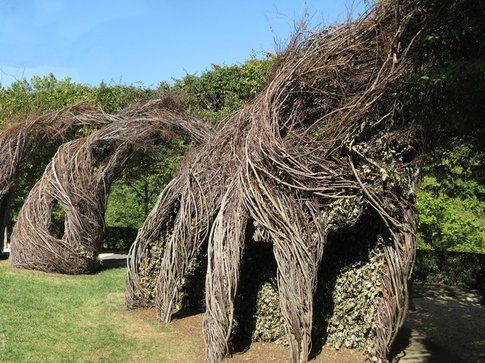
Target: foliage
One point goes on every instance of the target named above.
(134, 195)
(119, 239)
(48, 93)
(452, 81)
(223, 89)
(451, 268)
(451, 200)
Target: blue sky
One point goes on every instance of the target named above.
(145, 41)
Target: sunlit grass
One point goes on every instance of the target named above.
(57, 318)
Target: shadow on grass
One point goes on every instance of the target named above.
(104, 264)
(410, 346)
(110, 263)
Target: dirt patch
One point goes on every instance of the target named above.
(273, 353)
(447, 326)
(158, 342)
(190, 329)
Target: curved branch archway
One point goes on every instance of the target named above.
(21, 142)
(78, 178)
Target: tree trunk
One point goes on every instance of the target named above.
(146, 200)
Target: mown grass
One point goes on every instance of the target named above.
(57, 318)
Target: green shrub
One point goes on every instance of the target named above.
(451, 201)
(222, 90)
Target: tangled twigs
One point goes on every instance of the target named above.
(20, 142)
(139, 288)
(329, 132)
(399, 261)
(180, 222)
(78, 180)
(225, 248)
(179, 249)
(297, 232)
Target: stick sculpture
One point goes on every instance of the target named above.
(78, 180)
(21, 142)
(330, 129)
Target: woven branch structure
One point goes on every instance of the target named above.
(327, 141)
(21, 142)
(328, 135)
(78, 180)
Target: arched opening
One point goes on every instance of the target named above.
(58, 220)
(81, 175)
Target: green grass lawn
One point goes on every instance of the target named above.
(57, 318)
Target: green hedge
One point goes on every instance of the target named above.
(450, 268)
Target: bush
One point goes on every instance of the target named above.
(451, 201)
(450, 268)
(450, 198)
(222, 90)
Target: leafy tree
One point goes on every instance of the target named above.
(451, 83)
(223, 89)
(133, 196)
(450, 198)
